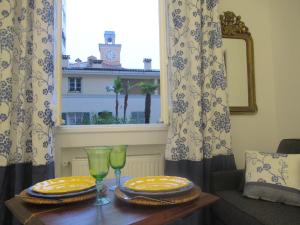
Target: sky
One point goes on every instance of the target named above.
(135, 22)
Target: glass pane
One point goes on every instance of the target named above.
(78, 80)
(137, 117)
(71, 118)
(71, 84)
(78, 86)
(79, 118)
(114, 52)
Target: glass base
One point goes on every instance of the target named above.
(102, 201)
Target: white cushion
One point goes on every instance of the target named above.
(273, 176)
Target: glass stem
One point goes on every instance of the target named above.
(99, 187)
(118, 177)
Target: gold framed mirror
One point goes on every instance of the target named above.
(239, 63)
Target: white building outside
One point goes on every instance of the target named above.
(84, 87)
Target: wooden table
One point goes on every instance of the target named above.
(115, 213)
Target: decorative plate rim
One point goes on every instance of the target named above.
(31, 192)
(181, 182)
(38, 189)
(160, 193)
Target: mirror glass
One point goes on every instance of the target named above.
(238, 53)
(235, 58)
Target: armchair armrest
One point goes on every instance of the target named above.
(226, 180)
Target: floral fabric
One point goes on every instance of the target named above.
(273, 168)
(26, 81)
(199, 114)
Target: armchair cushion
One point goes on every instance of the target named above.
(227, 180)
(234, 209)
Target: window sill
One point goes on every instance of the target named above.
(93, 135)
(111, 128)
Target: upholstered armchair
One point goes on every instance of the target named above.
(235, 209)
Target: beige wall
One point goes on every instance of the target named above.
(94, 85)
(91, 85)
(259, 131)
(274, 25)
(285, 26)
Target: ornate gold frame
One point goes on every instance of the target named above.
(233, 27)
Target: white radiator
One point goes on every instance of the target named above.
(136, 166)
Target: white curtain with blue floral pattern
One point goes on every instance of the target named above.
(199, 140)
(200, 124)
(26, 93)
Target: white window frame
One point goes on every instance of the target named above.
(163, 66)
(75, 84)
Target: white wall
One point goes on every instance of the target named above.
(285, 37)
(259, 131)
(95, 85)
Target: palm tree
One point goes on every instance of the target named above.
(147, 89)
(126, 87)
(117, 89)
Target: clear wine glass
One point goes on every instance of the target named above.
(117, 161)
(98, 158)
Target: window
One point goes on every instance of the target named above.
(118, 54)
(137, 117)
(75, 84)
(76, 118)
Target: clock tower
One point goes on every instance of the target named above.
(110, 52)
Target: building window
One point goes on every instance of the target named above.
(76, 118)
(75, 84)
(137, 117)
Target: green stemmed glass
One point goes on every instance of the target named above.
(98, 158)
(117, 161)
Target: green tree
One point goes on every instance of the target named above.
(117, 88)
(126, 87)
(105, 117)
(147, 89)
(86, 119)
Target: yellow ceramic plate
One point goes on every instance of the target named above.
(64, 185)
(156, 183)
